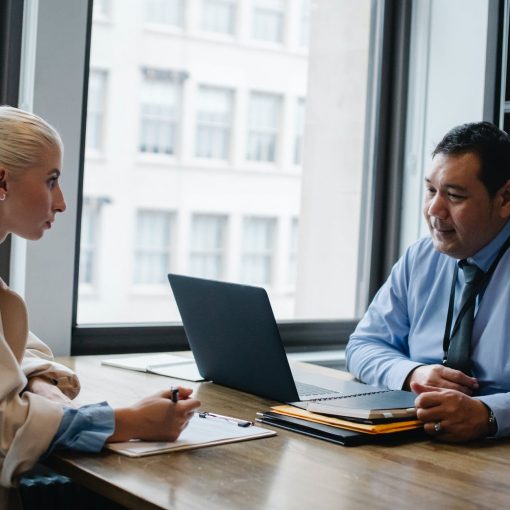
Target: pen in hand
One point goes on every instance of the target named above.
(175, 395)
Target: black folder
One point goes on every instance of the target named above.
(336, 435)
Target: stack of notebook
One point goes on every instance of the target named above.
(333, 421)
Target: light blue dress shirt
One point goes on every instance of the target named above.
(404, 325)
(85, 429)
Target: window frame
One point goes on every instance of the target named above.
(116, 338)
(11, 29)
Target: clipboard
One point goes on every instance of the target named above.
(200, 432)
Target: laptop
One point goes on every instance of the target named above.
(233, 334)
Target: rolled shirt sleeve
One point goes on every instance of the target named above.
(84, 429)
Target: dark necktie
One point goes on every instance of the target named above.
(459, 351)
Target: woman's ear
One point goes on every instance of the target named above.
(3, 182)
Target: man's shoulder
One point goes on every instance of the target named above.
(421, 247)
(422, 254)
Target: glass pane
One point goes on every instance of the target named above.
(167, 12)
(268, 20)
(300, 126)
(257, 257)
(95, 109)
(216, 150)
(152, 247)
(263, 126)
(88, 243)
(219, 16)
(207, 246)
(214, 117)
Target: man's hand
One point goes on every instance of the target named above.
(42, 386)
(439, 376)
(450, 415)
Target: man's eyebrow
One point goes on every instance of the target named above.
(457, 187)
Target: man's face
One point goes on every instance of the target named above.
(461, 215)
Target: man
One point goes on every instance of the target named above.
(403, 338)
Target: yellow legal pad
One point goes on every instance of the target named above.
(379, 428)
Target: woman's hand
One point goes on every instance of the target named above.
(46, 388)
(155, 418)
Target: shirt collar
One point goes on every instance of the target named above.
(487, 254)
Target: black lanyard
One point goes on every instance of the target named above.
(481, 285)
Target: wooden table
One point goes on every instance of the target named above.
(289, 471)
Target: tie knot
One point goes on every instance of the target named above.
(472, 273)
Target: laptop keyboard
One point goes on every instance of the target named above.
(308, 390)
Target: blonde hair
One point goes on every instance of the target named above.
(22, 137)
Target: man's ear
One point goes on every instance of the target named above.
(504, 200)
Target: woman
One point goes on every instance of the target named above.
(35, 392)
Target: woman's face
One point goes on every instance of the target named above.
(32, 197)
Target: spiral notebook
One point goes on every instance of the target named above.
(161, 363)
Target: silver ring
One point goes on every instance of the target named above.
(437, 427)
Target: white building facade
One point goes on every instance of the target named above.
(194, 149)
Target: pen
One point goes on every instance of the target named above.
(240, 423)
(175, 395)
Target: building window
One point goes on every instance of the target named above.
(95, 110)
(214, 117)
(263, 126)
(159, 112)
(152, 247)
(102, 9)
(257, 250)
(208, 246)
(293, 251)
(219, 16)
(268, 20)
(299, 131)
(304, 25)
(88, 242)
(165, 12)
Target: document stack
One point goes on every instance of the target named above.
(335, 421)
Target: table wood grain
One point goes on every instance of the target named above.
(289, 471)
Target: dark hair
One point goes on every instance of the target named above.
(489, 143)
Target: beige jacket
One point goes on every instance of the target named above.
(28, 422)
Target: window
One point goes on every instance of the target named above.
(102, 9)
(95, 110)
(332, 197)
(219, 16)
(234, 118)
(208, 246)
(268, 20)
(165, 12)
(263, 126)
(299, 130)
(152, 247)
(304, 27)
(214, 117)
(159, 113)
(153, 105)
(258, 251)
(293, 251)
(88, 242)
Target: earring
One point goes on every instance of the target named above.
(2, 197)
